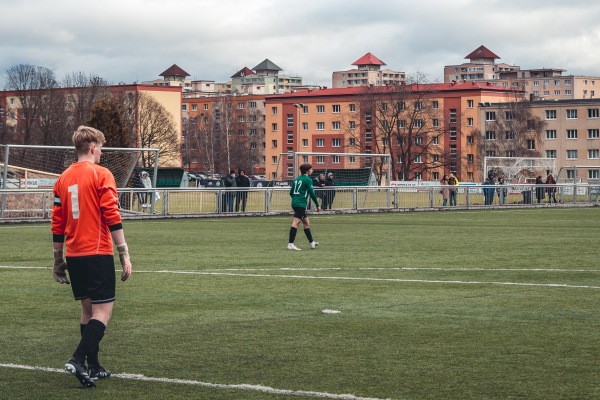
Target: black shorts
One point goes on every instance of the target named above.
(93, 277)
(300, 212)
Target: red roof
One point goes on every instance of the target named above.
(243, 72)
(174, 70)
(482, 52)
(368, 59)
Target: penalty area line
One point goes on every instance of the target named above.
(241, 386)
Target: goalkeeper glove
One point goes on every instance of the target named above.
(60, 266)
(125, 261)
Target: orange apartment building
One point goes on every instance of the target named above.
(320, 121)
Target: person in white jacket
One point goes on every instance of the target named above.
(147, 182)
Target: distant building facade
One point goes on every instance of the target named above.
(264, 79)
(368, 72)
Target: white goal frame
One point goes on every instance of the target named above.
(514, 166)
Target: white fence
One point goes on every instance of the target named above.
(36, 204)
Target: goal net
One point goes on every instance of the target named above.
(579, 174)
(33, 167)
(519, 169)
(349, 169)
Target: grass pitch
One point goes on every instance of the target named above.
(438, 305)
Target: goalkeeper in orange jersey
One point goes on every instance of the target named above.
(85, 218)
(302, 187)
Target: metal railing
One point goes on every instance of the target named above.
(36, 204)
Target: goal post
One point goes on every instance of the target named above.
(519, 168)
(24, 166)
(350, 169)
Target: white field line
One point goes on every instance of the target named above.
(241, 386)
(349, 278)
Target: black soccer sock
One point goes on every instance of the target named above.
(308, 235)
(90, 340)
(293, 234)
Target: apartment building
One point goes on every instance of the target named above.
(368, 72)
(570, 136)
(264, 79)
(537, 84)
(331, 120)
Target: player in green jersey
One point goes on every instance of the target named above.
(299, 192)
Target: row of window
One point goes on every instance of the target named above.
(592, 113)
(573, 134)
(240, 106)
(592, 154)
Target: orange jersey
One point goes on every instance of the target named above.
(85, 206)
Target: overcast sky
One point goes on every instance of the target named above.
(136, 40)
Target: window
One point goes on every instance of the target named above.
(551, 134)
(274, 110)
(418, 105)
(509, 135)
(320, 159)
(550, 114)
(304, 142)
(453, 115)
(550, 153)
(320, 109)
(352, 125)
(419, 159)
(435, 104)
(593, 154)
(335, 142)
(320, 142)
(470, 103)
(571, 154)
(571, 133)
(570, 174)
(352, 107)
(305, 126)
(402, 123)
(290, 120)
(335, 125)
(470, 158)
(453, 134)
(240, 106)
(335, 108)
(557, 92)
(335, 159)
(368, 118)
(252, 132)
(418, 176)
(470, 121)
(571, 114)
(490, 135)
(536, 83)
(206, 106)
(511, 153)
(252, 104)
(320, 126)
(530, 144)
(368, 135)
(274, 144)
(184, 107)
(508, 115)
(490, 115)
(593, 173)
(352, 142)
(290, 137)
(352, 159)
(436, 176)
(274, 159)
(593, 133)
(418, 123)
(194, 107)
(567, 92)
(435, 140)
(470, 139)
(241, 118)
(418, 140)
(274, 127)
(240, 132)
(490, 153)
(435, 122)
(593, 113)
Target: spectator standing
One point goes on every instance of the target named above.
(242, 181)
(445, 191)
(319, 186)
(86, 217)
(488, 192)
(146, 183)
(551, 190)
(452, 181)
(229, 182)
(539, 189)
(502, 191)
(329, 193)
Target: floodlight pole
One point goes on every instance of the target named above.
(298, 127)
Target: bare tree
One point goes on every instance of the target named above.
(84, 91)
(106, 116)
(30, 84)
(405, 122)
(511, 130)
(156, 129)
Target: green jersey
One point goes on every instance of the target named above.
(300, 190)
